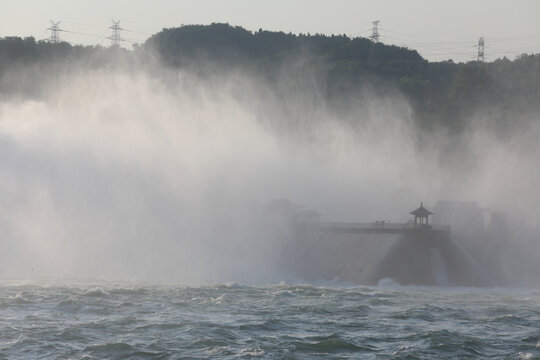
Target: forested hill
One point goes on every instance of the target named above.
(225, 42)
(443, 94)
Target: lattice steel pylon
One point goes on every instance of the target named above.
(374, 39)
(115, 35)
(55, 30)
(480, 57)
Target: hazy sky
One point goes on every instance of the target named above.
(438, 29)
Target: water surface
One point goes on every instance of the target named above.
(127, 320)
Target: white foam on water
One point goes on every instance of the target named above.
(388, 283)
(251, 352)
(97, 291)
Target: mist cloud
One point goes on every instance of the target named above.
(163, 174)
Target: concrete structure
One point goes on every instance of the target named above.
(414, 253)
(420, 224)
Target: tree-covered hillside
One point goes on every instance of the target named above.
(442, 94)
(223, 42)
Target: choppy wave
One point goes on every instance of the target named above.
(292, 321)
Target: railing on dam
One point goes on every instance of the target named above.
(380, 227)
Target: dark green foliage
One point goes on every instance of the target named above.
(442, 94)
(223, 42)
(28, 68)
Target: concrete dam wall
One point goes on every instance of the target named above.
(422, 256)
(462, 245)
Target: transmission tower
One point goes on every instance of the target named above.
(55, 30)
(480, 57)
(115, 35)
(374, 39)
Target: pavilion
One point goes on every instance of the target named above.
(421, 216)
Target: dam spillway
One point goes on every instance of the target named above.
(413, 253)
(365, 254)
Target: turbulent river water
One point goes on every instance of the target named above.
(127, 320)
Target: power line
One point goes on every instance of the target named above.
(359, 33)
(84, 34)
(423, 38)
(429, 45)
(432, 47)
(137, 32)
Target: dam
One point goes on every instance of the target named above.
(413, 253)
(420, 224)
(381, 228)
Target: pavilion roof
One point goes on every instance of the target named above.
(421, 211)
